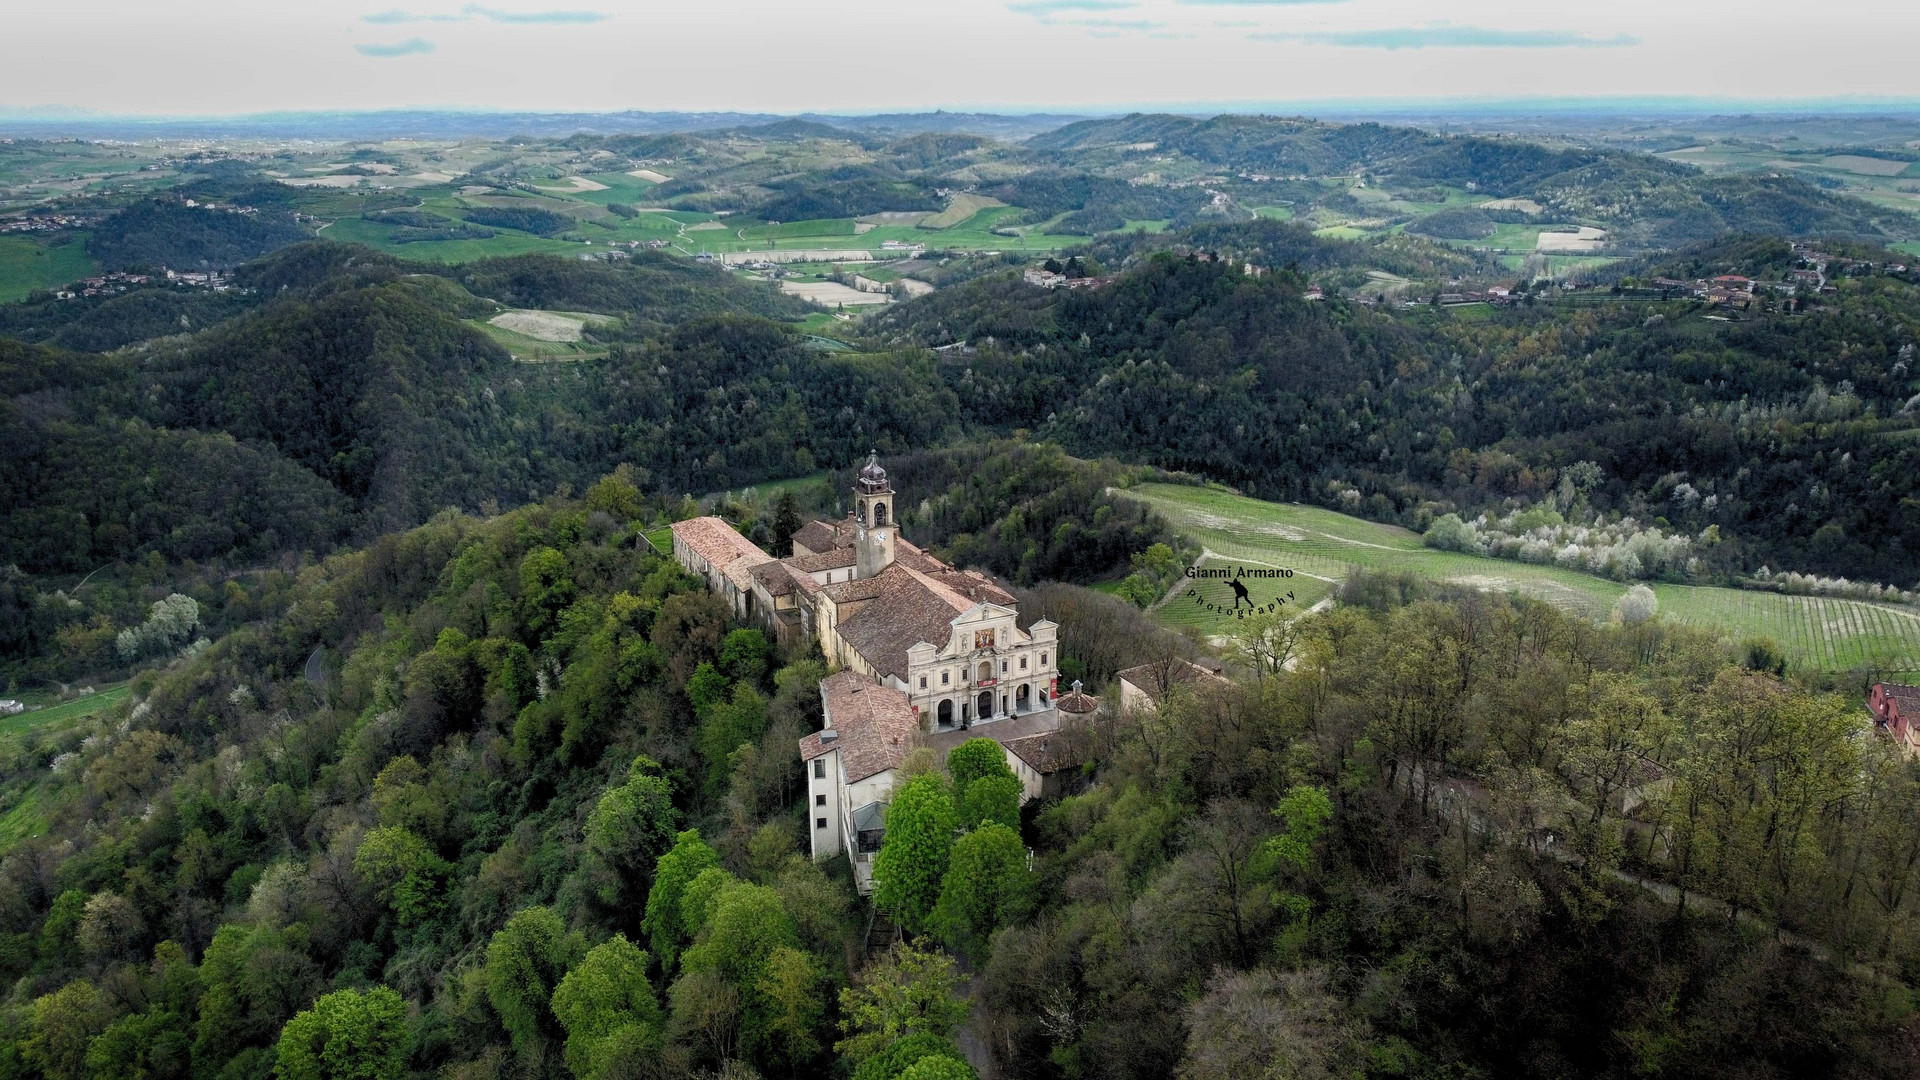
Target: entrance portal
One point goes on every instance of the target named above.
(985, 707)
(946, 714)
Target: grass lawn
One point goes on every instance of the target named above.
(1276, 213)
(1819, 633)
(1911, 247)
(1340, 232)
(27, 264)
(64, 712)
(661, 539)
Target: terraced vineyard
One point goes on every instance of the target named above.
(1821, 633)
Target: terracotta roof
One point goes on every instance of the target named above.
(975, 586)
(1074, 701)
(1050, 752)
(1906, 697)
(874, 726)
(777, 578)
(908, 608)
(817, 536)
(725, 550)
(834, 559)
(1147, 678)
(906, 552)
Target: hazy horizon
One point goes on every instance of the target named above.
(202, 58)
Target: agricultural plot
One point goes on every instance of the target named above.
(537, 337)
(1209, 607)
(1820, 633)
(64, 711)
(964, 205)
(27, 265)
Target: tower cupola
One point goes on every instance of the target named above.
(874, 527)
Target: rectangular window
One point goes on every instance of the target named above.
(1003, 667)
(820, 823)
(1023, 663)
(819, 768)
(1043, 659)
(819, 800)
(944, 677)
(923, 682)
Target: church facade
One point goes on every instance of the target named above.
(926, 655)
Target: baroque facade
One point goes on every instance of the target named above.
(925, 655)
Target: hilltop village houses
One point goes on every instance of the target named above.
(926, 655)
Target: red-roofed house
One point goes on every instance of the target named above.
(1896, 711)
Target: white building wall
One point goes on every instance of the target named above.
(824, 781)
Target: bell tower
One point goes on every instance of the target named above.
(874, 527)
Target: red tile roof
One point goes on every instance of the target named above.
(725, 550)
(875, 728)
(1154, 680)
(907, 607)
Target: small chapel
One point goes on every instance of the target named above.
(925, 655)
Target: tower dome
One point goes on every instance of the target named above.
(873, 478)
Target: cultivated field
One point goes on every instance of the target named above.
(964, 205)
(832, 293)
(540, 337)
(540, 325)
(27, 264)
(1817, 632)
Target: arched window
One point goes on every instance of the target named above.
(879, 514)
(986, 672)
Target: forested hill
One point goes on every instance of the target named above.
(1646, 201)
(1787, 433)
(370, 387)
(534, 813)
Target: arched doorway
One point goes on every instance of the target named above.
(984, 707)
(1021, 702)
(946, 714)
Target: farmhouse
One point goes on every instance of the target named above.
(925, 655)
(1896, 711)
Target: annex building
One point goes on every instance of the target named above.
(925, 655)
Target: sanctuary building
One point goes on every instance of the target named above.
(923, 652)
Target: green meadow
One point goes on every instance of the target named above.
(1818, 633)
(27, 264)
(64, 711)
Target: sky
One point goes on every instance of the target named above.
(211, 57)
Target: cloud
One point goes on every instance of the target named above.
(1041, 9)
(1455, 37)
(469, 12)
(409, 47)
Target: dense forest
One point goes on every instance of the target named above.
(1785, 433)
(534, 813)
(349, 394)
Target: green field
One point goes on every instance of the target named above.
(27, 264)
(1275, 213)
(1819, 633)
(1207, 606)
(1911, 247)
(65, 711)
